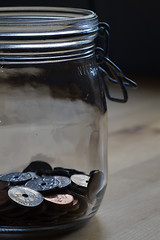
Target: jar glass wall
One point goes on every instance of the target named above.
(55, 113)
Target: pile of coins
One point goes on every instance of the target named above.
(41, 195)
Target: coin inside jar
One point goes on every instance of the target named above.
(80, 180)
(59, 171)
(34, 175)
(16, 177)
(63, 181)
(38, 167)
(43, 184)
(25, 196)
(94, 185)
(60, 200)
(75, 206)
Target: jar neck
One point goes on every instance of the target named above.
(32, 34)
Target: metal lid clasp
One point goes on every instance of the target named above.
(109, 70)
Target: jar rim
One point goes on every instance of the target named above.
(46, 33)
(45, 21)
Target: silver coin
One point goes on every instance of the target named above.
(80, 180)
(43, 184)
(25, 196)
(34, 175)
(63, 181)
(16, 177)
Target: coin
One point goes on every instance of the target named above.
(59, 171)
(73, 171)
(75, 206)
(16, 177)
(34, 175)
(80, 180)
(60, 200)
(94, 185)
(25, 196)
(39, 167)
(43, 184)
(63, 181)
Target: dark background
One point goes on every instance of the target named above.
(135, 26)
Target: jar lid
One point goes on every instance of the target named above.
(45, 29)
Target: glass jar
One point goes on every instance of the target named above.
(53, 120)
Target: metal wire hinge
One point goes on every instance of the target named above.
(108, 69)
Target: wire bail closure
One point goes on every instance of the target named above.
(110, 72)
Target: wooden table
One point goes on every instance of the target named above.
(131, 206)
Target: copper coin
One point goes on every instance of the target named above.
(25, 196)
(60, 200)
(75, 202)
(75, 206)
(80, 180)
(95, 184)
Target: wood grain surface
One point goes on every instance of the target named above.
(131, 207)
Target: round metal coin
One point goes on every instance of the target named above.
(16, 177)
(59, 171)
(60, 200)
(63, 181)
(43, 184)
(25, 196)
(39, 167)
(95, 184)
(80, 180)
(75, 206)
(34, 175)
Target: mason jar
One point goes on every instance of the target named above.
(53, 120)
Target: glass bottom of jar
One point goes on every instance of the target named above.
(41, 201)
(39, 232)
